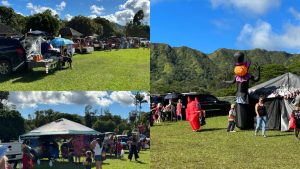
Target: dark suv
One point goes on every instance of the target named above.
(212, 105)
(12, 55)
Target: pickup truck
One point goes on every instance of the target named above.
(15, 153)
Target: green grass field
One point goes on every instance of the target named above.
(109, 163)
(174, 145)
(127, 69)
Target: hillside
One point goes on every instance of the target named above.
(183, 69)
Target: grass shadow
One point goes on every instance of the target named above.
(211, 129)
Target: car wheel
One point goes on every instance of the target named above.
(5, 67)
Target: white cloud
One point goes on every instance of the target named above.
(39, 9)
(262, 36)
(123, 97)
(250, 7)
(127, 11)
(32, 99)
(68, 17)
(61, 6)
(5, 3)
(295, 13)
(93, 16)
(96, 9)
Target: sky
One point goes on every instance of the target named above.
(118, 102)
(208, 25)
(118, 11)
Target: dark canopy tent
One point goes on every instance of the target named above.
(278, 108)
(8, 31)
(69, 33)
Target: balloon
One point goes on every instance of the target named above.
(241, 70)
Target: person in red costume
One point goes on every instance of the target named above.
(195, 113)
(187, 110)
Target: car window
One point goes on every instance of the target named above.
(210, 98)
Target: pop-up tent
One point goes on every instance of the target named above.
(278, 108)
(62, 127)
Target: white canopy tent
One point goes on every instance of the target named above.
(62, 127)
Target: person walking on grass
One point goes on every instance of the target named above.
(97, 147)
(133, 147)
(296, 114)
(231, 119)
(178, 109)
(261, 116)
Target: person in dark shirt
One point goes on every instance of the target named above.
(261, 116)
(88, 160)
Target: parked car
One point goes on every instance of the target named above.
(14, 153)
(144, 42)
(212, 105)
(124, 141)
(12, 55)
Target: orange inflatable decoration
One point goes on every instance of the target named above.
(241, 70)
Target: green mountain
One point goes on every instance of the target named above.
(184, 69)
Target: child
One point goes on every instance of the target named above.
(231, 119)
(88, 160)
(296, 113)
(120, 148)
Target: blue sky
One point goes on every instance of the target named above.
(118, 102)
(208, 25)
(119, 11)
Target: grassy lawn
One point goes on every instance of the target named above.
(126, 69)
(110, 163)
(174, 145)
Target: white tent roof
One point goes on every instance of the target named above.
(279, 86)
(62, 127)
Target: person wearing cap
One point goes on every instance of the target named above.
(3, 159)
(231, 119)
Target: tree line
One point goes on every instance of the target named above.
(12, 124)
(87, 26)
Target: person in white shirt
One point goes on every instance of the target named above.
(97, 147)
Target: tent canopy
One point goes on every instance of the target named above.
(61, 127)
(278, 109)
(279, 86)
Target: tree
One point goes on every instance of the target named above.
(12, 19)
(104, 126)
(87, 116)
(85, 25)
(108, 29)
(138, 17)
(44, 22)
(139, 99)
(11, 125)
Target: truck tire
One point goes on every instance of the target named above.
(5, 67)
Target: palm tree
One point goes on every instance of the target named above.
(139, 99)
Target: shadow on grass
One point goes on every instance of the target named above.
(280, 135)
(27, 76)
(211, 129)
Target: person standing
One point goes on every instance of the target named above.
(152, 113)
(195, 113)
(296, 114)
(261, 116)
(133, 147)
(178, 109)
(231, 119)
(97, 147)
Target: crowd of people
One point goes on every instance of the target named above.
(196, 116)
